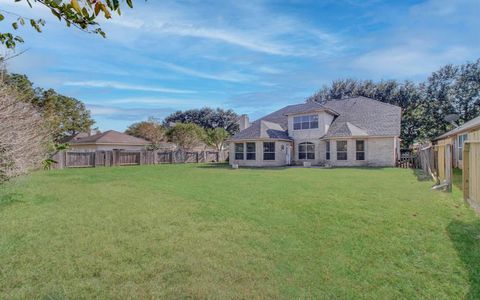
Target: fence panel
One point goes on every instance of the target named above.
(211, 156)
(164, 157)
(128, 158)
(80, 159)
(191, 157)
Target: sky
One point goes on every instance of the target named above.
(250, 56)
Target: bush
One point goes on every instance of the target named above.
(24, 136)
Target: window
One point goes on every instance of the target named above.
(305, 122)
(251, 151)
(461, 138)
(306, 151)
(327, 153)
(239, 150)
(360, 147)
(341, 150)
(269, 151)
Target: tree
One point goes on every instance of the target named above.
(24, 135)
(206, 118)
(82, 14)
(65, 115)
(150, 130)
(186, 135)
(216, 137)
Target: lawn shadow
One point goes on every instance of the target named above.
(466, 239)
(457, 178)
(226, 166)
(10, 198)
(421, 175)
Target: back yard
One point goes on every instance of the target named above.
(203, 231)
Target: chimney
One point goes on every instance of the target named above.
(243, 122)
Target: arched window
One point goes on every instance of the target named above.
(306, 151)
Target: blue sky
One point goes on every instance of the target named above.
(250, 56)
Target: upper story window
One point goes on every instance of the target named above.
(306, 151)
(239, 148)
(251, 151)
(342, 150)
(305, 122)
(461, 138)
(269, 151)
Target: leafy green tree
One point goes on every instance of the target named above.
(65, 115)
(206, 118)
(82, 14)
(216, 137)
(186, 135)
(150, 130)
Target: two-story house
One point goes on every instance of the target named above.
(352, 132)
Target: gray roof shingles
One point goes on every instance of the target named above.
(371, 116)
(111, 137)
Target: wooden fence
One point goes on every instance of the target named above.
(72, 159)
(436, 161)
(471, 173)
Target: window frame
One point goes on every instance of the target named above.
(238, 153)
(269, 155)
(342, 152)
(305, 122)
(251, 155)
(306, 152)
(357, 152)
(327, 150)
(463, 137)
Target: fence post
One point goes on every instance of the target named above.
(197, 157)
(114, 157)
(448, 166)
(65, 159)
(466, 171)
(141, 157)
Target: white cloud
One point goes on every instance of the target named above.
(269, 70)
(122, 86)
(408, 60)
(151, 101)
(256, 29)
(127, 114)
(232, 76)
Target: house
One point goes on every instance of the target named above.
(352, 132)
(456, 137)
(108, 140)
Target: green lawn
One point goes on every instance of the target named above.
(202, 231)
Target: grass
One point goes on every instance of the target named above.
(203, 231)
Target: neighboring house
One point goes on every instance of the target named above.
(108, 140)
(352, 132)
(456, 137)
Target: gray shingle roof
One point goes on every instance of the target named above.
(374, 117)
(358, 116)
(111, 137)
